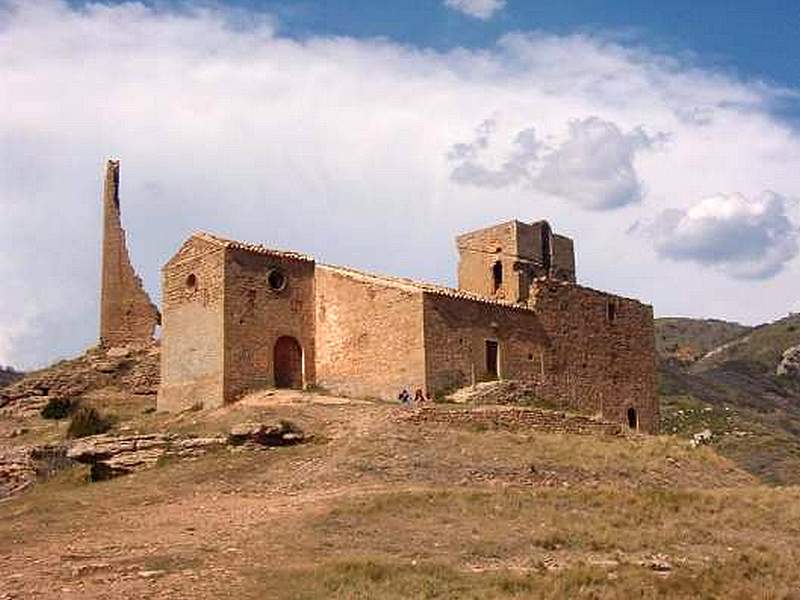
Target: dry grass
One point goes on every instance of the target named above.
(380, 508)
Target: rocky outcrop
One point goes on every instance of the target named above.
(284, 433)
(133, 368)
(790, 363)
(111, 456)
(22, 466)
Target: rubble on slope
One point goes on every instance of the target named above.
(507, 391)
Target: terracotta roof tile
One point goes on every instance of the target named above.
(430, 288)
(254, 248)
(397, 282)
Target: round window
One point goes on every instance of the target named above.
(276, 280)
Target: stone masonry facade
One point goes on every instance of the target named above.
(239, 317)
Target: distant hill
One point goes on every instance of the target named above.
(722, 376)
(689, 339)
(9, 375)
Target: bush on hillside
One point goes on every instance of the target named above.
(59, 408)
(88, 421)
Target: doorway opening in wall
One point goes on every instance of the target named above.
(288, 363)
(492, 359)
(497, 276)
(633, 419)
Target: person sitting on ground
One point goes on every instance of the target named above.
(419, 396)
(404, 397)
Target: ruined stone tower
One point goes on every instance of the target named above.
(502, 261)
(126, 312)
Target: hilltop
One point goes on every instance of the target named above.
(724, 377)
(449, 501)
(9, 375)
(476, 499)
(384, 504)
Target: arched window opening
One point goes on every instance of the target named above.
(497, 276)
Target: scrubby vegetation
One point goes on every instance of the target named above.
(9, 375)
(733, 390)
(59, 408)
(87, 421)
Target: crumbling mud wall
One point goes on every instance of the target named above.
(126, 313)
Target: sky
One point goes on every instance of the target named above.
(663, 137)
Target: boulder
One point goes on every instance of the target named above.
(283, 433)
(790, 363)
(702, 438)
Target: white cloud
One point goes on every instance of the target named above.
(334, 146)
(479, 9)
(747, 238)
(591, 167)
(516, 169)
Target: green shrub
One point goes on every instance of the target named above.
(59, 408)
(88, 421)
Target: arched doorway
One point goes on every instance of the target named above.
(633, 419)
(288, 362)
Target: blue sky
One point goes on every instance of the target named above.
(662, 136)
(754, 38)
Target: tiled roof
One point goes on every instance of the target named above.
(254, 248)
(416, 286)
(396, 282)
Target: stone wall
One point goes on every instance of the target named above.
(126, 313)
(563, 261)
(602, 352)
(267, 296)
(456, 332)
(513, 419)
(192, 336)
(479, 251)
(369, 335)
(525, 252)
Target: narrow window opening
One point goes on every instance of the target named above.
(492, 359)
(191, 282)
(547, 248)
(612, 312)
(497, 276)
(633, 419)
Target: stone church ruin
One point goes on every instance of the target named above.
(239, 317)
